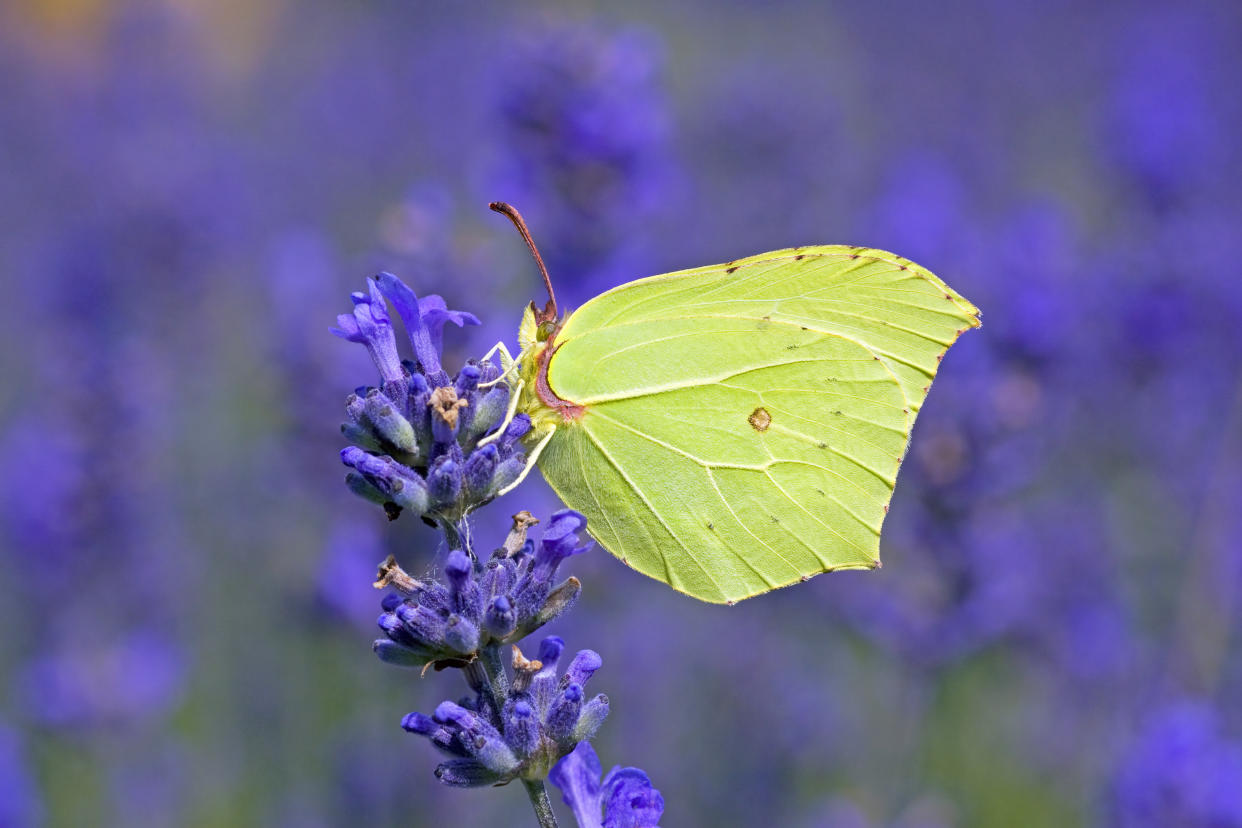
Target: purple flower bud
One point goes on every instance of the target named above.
(419, 723)
(420, 412)
(490, 372)
(584, 665)
(356, 458)
(506, 473)
(355, 405)
(466, 773)
(411, 493)
(391, 624)
(461, 634)
(500, 619)
(521, 728)
(498, 577)
(488, 412)
(396, 483)
(418, 381)
(479, 470)
(423, 625)
(401, 655)
(482, 740)
(563, 715)
(388, 424)
(543, 686)
(550, 650)
(435, 597)
(448, 712)
(463, 589)
(391, 601)
(359, 486)
(467, 379)
(457, 569)
(592, 716)
(515, 431)
(444, 482)
(495, 754)
(439, 735)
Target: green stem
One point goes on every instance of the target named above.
(539, 801)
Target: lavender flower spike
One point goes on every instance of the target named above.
(625, 797)
(415, 448)
(416, 437)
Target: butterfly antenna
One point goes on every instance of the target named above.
(549, 311)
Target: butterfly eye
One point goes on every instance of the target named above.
(544, 331)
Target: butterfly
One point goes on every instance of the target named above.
(737, 428)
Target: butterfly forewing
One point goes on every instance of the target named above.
(744, 423)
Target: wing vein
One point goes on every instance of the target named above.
(646, 502)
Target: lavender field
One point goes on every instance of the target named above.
(190, 190)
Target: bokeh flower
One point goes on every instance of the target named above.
(1182, 770)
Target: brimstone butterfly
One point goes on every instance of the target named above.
(733, 429)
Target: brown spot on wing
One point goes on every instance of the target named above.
(760, 419)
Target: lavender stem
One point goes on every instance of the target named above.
(539, 801)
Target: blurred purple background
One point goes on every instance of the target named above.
(189, 191)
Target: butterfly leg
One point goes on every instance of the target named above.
(514, 396)
(508, 372)
(507, 363)
(503, 350)
(530, 462)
